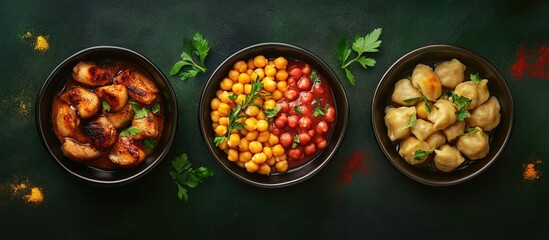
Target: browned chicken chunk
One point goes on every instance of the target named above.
(115, 95)
(140, 86)
(91, 74)
(148, 126)
(65, 121)
(121, 119)
(79, 152)
(101, 132)
(87, 104)
(125, 153)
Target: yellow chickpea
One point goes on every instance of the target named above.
(252, 111)
(281, 75)
(261, 116)
(215, 116)
(282, 86)
(255, 147)
(233, 75)
(277, 95)
(250, 71)
(224, 97)
(273, 140)
(260, 61)
(268, 151)
(232, 155)
(245, 156)
(250, 63)
(421, 110)
(223, 145)
(234, 140)
(240, 66)
(281, 158)
(240, 99)
(238, 88)
(215, 103)
(240, 164)
(263, 137)
(264, 169)
(258, 101)
(270, 161)
(271, 62)
(278, 150)
(218, 93)
(244, 78)
(226, 84)
(224, 121)
(221, 130)
(247, 88)
(262, 125)
(270, 71)
(269, 85)
(250, 124)
(251, 135)
(260, 72)
(243, 146)
(214, 125)
(280, 63)
(224, 109)
(269, 104)
(282, 166)
(251, 166)
(259, 158)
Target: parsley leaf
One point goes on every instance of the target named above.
(368, 43)
(187, 67)
(149, 143)
(320, 111)
(272, 112)
(427, 107)
(295, 141)
(420, 154)
(412, 122)
(315, 78)
(128, 132)
(462, 113)
(462, 103)
(140, 113)
(298, 110)
(185, 176)
(471, 131)
(155, 108)
(106, 106)
(412, 100)
(475, 78)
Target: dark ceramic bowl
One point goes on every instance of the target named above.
(430, 55)
(55, 82)
(296, 175)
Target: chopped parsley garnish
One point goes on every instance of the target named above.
(185, 176)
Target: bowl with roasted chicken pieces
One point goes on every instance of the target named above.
(442, 114)
(107, 115)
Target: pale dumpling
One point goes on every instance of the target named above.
(442, 115)
(408, 148)
(424, 79)
(486, 116)
(474, 145)
(478, 93)
(436, 140)
(447, 158)
(404, 90)
(450, 73)
(422, 129)
(455, 130)
(397, 121)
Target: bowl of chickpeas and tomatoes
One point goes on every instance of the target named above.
(273, 114)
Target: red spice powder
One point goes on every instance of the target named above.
(540, 69)
(519, 68)
(532, 63)
(357, 162)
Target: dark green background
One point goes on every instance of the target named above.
(380, 203)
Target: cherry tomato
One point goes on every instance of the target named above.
(304, 83)
(305, 123)
(276, 131)
(310, 149)
(293, 121)
(292, 82)
(304, 138)
(307, 97)
(330, 114)
(280, 121)
(321, 127)
(284, 106)
(286, 139)
(306, 70)
(311, 133)
(318, 90)
(295, 153)
(291, 95)
(295, 72)
(321, 142)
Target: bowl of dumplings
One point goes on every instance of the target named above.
(107, 115)
(442, 114)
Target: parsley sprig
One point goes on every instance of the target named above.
(462, 103)
(420, 153)
(411, 123)
(185, 176)
(187, 67)
(368, 43)
(235, 115)
(128, 132)
(320, 110)
(475, 78)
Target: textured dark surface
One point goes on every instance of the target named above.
(379, 202)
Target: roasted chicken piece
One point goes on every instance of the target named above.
(148, 126)
(121, 119)
(64, 119)
(87, 104)
(101, 132)
(91, 74)
(125, 153)
(115, 95)
(140, 86)
(78, 151)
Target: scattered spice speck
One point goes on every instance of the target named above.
(35, 196)
(530, 173)
(23, 190)
(41, 43)
(357, 162)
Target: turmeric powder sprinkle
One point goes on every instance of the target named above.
(35, 196)
(41, 43)
(530, 173)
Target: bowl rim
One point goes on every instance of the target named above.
(116, 182)
(478, 58)
(335, 83)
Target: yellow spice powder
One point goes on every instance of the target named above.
(530, 173)
(35, 196)
(41, 43)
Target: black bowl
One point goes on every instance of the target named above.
(296, 175)
(55, 82)
(430, 55)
